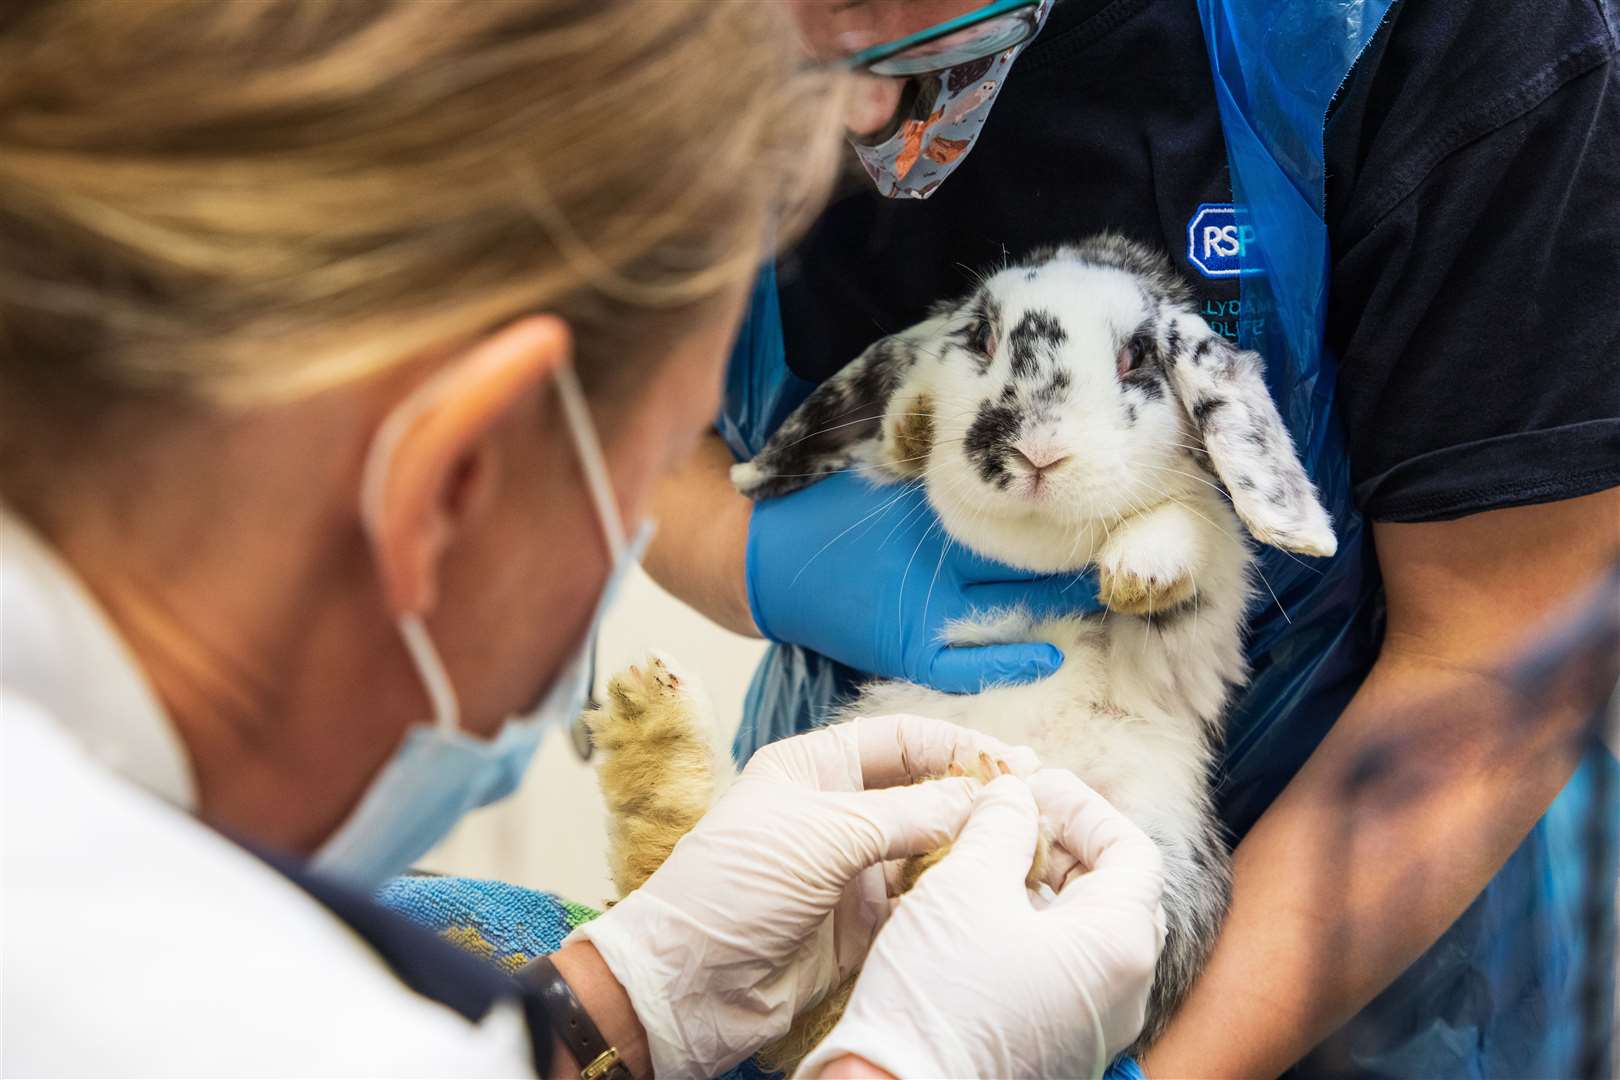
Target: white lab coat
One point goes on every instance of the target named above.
(134, 940)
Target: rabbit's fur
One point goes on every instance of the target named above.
(1075, 413)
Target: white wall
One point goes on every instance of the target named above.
(551, 835)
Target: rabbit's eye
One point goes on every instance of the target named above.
(1130, 355)
(981, 339)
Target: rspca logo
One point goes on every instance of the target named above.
(1216, 239)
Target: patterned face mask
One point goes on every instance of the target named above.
(944, 113)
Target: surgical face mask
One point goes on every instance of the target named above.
(944, 114)
(439, 771)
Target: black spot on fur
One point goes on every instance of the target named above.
(1023, 361)
(1043, 326)
(1201, 350)
(988, 439)
(1009, 393)
(1148, 380)
(786, 482)
(1130, 415)
(1038, 331)
(871, 385)
(1245, 482)
(1204, 408)
(1145, 342)
(1056, 389)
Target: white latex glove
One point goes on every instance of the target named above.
(968, 978)
(774, 898)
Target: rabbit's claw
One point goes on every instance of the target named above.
(640, 691)
(1132, 594)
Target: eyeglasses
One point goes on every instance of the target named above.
(994, 28)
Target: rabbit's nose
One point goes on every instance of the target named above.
(1040, 457)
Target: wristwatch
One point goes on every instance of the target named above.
(572, 1024)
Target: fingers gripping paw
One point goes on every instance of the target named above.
(986, 769)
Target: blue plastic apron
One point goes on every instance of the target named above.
(1495, 996)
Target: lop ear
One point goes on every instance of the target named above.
(1224, 392)
(852, 419)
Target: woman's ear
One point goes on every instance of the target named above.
(432, 465)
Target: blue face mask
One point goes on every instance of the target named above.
(440, 772)
(945, 111)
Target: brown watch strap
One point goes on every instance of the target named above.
(572, 1024)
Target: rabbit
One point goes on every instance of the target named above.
(1074, 413)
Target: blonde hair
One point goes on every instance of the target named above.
(239, 204)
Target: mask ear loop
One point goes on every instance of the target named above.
(594, 464)
(591, 460)
(430, 669)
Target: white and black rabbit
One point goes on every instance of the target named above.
(1075, 413)
(1072, 413)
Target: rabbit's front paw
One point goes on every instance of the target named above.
(1148, 566)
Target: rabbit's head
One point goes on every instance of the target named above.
(1069, 390)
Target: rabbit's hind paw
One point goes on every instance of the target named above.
(646, 701)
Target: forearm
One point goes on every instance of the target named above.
(700, 553)
(1341, 885)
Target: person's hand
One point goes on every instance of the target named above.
(970, 977)
(867, 576)
(774, 898)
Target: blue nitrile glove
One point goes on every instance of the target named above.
(866, 575)
(1124, 1068)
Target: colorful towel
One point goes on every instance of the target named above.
(505, 924)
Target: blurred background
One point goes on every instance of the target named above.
(552, 834)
